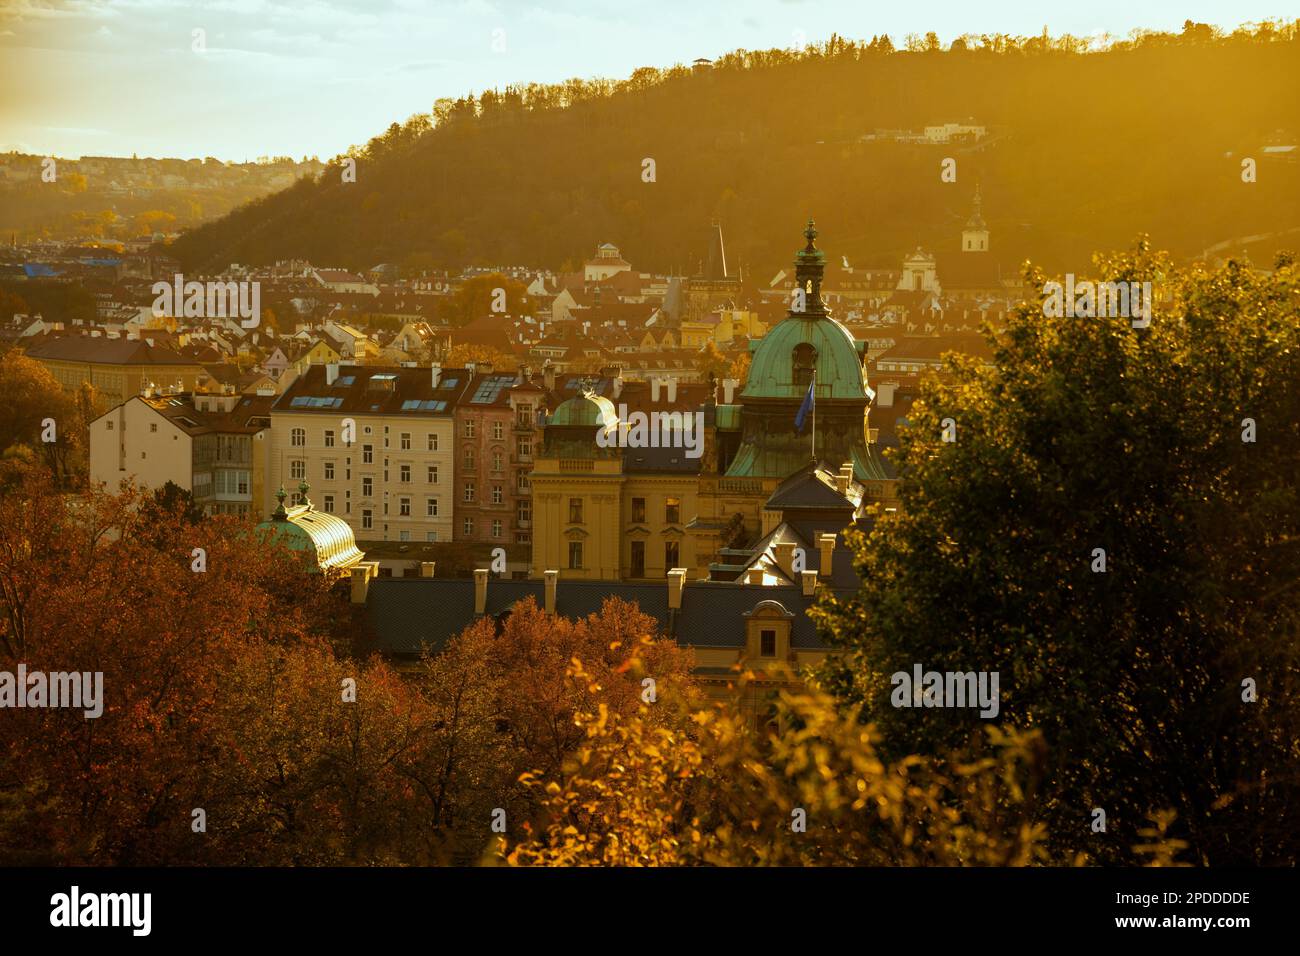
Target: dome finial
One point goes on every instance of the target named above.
(810, 234)
(303, 488)
(280, 514)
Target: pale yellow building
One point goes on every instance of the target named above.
(375, 445)
(116, 368)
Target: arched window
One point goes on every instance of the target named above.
(803, 361)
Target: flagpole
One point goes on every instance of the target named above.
(814, 411)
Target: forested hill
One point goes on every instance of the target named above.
(1085, 150)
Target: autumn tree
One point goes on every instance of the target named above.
(485, 295)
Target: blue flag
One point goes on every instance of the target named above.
(805, 408)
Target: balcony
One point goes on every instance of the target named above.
(577, 464)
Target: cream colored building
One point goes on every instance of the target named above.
(213, 445)
(376, 446)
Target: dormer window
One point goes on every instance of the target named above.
(804, 362)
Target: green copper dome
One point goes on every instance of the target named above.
(327, 538)
(807, 338)
(585, 410)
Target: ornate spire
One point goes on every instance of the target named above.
(976, 220)
(809, 265)
(280, 514)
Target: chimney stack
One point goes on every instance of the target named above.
(844, 478)
(676, 583)
(729, 386)
(618, 384)
(809, 583)
(785, 557)
(480, 590)
(826, 544)
(548, 375)
(471, 367)
(552, 580)
(525, 373)
(427, 568)
(436, 370)
(754, 576)
(885, 394)
(655, 384)
(672, 389)
(331, 372)
(361, 575)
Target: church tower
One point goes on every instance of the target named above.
(975, 237)
(808, 344)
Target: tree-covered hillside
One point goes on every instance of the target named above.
(1085, 149)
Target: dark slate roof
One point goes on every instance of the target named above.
(410, 614)
(352, 391)
(809, 487)
(671, 460)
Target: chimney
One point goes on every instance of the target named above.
(618, 384)
(471, 367)
(548, 375)
(672, 390)
(480, 590)
(843, 479)
(486, 367)
(676, 583)
(785, 557)
(427, 568)
(655, 384)
(729, 390)
(809, 583)
(436, 369)
(361, 575)
(552, 580)
(754, 576)
(525, 373)
(331, 372)
(885, 394)
(826, 544)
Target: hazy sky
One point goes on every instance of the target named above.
(312, 77)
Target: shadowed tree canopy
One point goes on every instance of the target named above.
(1170, 680)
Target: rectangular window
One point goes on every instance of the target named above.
(468, 527)
(498, 431)
(432, 474)
(469, 429)
(638, 559)
(638, 510)
(329, 471)
(153, 427)
(575, 555)
(433, 442)
(525, 449)
(497, 496)
(496, 528)
(524, 416)
(431, 536)
(404, 474)
(498, 461)
(671, 555)
(367, 454)
(329, 438)
(521, 482)
(469, 491)
(575, 511)
(329, 504)
(406, 441)
(403, 536)
(673, 510)
(367, 487)
(525, 510)
(767, 643)
(469, 459)
(404, 507)
(431, 507)
(297, 468)
(367, 519)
